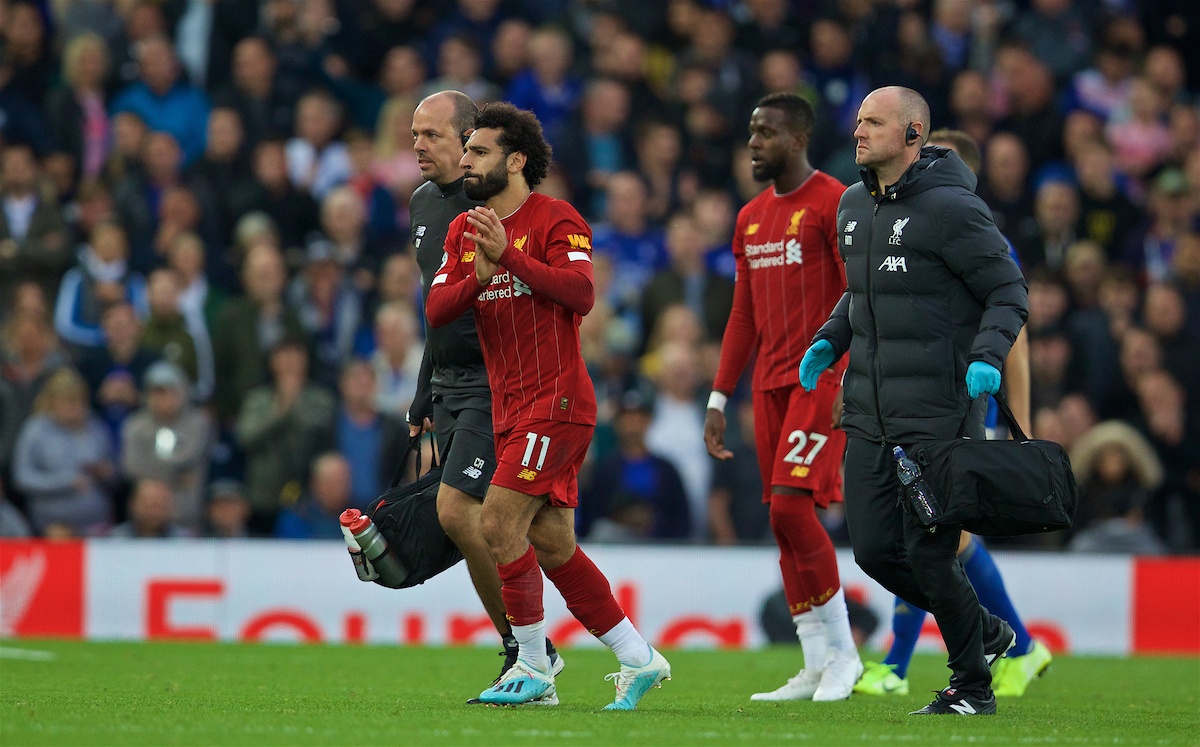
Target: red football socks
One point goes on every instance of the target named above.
(806, 555)
(587, 593)
(521, 589)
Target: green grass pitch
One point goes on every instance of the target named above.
(200, 694)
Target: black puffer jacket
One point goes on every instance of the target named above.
(931, 289)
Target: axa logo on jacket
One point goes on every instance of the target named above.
(894, 263)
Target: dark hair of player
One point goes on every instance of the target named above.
(520, 131)
(798, 113)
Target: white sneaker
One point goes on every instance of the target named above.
(634, 682)
(841, 673)
(800, 687)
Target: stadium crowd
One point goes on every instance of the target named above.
(212, 319)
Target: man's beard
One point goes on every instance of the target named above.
(487, 186)
(767, 171)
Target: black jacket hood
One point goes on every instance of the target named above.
(936, 167)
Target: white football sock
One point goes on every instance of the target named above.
(836, 619)
(811, 632)
(531, 642)
(628, 645)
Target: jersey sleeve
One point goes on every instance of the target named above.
(454, 286)
(829, 220)
(566, 276)
(740, 332)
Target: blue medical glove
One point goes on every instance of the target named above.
(816, 359)
(981, 377)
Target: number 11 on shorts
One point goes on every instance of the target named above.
(532, 438)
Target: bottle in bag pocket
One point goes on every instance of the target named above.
(362, 566)
(917, 492)
(380, 564)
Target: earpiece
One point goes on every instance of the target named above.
(911, 135)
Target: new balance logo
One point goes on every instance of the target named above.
(894, 264)
(964, 708)
(792, 253)
(898, 231)
(520, 288)
(799, 472)
(850, 226)
(473, 472)
(527, 474)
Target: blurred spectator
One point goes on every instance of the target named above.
(397, 357)
(1164, 314)
(1106, 215)
(297, 34)
(249, 326)
(329, 307)
(315, 514)
(33, 236)
(151, 513)
(659, 148)
(595, 146)
(344, 225)
(678, 410)
(510, 51)
(29, 354)
(316, 160)
(114, 371)
(163, 100)
(293, 210)
(1103, 88)
(102, 278)
(1186, 266)
(547, 88)
(168, 440)
(382, 25)
(636, 249)
(1141, 140)
(1057, 32)
(635, 495)
(1032, 114)
(1056, 210)
(736, 511)
(370, 440)
(125, 153)
(399, 281)
(460, 68)
(75, 111)
(26, 51)
(687, 280)
(393, 162)
(224, 168)
(474, 20)
(263, 101)
(63, 459)
(1140, 355)
(1117, 472)
(282, 427)
(199, 301)
(12, 522)
(22, 121)
(841, 84)
(174, 336)
(764, 26)
(1150, 246)
(378, 204)
(1004, 188)
(227, 511)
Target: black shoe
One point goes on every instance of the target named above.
(957, 703)
(998, 647)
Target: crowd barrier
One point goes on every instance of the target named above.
(279, 591)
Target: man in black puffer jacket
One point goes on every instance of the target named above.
(934, 303)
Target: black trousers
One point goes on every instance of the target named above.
(919, 567)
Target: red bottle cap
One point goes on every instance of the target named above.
(348, 516)
(359, 524)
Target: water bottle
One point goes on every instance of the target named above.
(917, 492)
(362, 566)
(391, 572)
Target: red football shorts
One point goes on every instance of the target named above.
(797, 447)
(543, 457)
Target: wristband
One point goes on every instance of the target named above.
(716, 401)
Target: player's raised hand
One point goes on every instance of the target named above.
(485, 269)
(489, 235)
(714, 434)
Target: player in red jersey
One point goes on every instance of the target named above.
(523, 263)
(789, 277)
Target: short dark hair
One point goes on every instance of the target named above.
(797, 111)
(962, 144)
(520, 131)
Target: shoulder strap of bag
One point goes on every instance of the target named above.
(1013, 428)
(413, 444)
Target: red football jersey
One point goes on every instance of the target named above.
(789, 277)
(528, 317)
